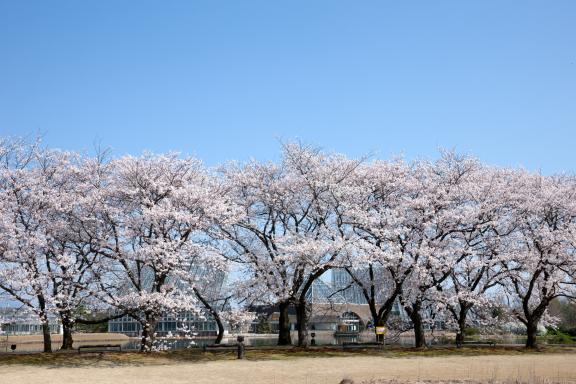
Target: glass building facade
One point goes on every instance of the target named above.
(15, 321)
(201, 325)
(341, 281)
(210, 282)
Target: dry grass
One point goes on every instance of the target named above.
(73, 359)
(283, 366)
(56, 338)
(34, 343)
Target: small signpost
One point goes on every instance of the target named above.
(380, 333)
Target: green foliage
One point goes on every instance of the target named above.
(83, 312)
(565, 310)
(263, 326)
(570, 331)
(471, 331)
(556, 336)
(92, 328)
(498, 312)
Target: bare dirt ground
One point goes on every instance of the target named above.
(307, 370)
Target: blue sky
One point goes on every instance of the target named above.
(227, 79)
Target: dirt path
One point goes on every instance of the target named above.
(557, 367)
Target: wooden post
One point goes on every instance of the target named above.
(240, 351)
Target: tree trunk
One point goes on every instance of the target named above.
(67, 325)
(380, 315)
(460, 337)
(532, 332)
(461, 324)
(67, 339)
(220, 334)
(45, 325)
(414, 313)
(148, 331)
(533, 319)
(211, 308)
(47, 337)
(284, 325)
(302, 318)
(377, 322)
(380, 319)
(419, 338)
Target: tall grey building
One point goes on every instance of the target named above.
(343, 283)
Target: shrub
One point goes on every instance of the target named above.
(556, 336)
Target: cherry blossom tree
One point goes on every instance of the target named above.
(540, 263)
(29, 194)
(482, 242)
(44, 222)
(156, 215)
(407, 217)
(371, 207)
(286, 239)
(438, 214)
(75, 266)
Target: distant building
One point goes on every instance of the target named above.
(343, 283)
(337, 305)
(201, 324)
(169, 323)
(352, 293)
(15, 321)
